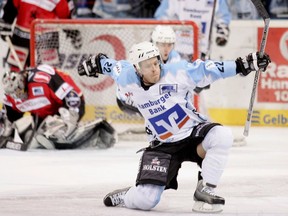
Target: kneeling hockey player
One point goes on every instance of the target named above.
(177, 132)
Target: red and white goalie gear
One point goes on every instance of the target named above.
(19, 134)
(99, 134)
(48, 89)
(60, 128)
(6, 128)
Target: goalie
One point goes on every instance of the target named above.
(56, 105)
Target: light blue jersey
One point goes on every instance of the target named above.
(173, 57)
(166, 106)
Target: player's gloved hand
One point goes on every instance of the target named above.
(252, 62)
(92, 66)
(5, 29)
(222, 34)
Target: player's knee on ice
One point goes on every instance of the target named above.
(144, 197)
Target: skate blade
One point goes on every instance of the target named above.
(203, 207)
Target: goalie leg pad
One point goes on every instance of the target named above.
(44, 142)
(107, 135)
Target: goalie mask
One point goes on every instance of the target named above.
(163, 34)
(14, 84)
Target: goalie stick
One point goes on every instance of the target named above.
(12, 50)
(263, 13)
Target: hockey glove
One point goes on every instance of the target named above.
(70, 118)
(222, 34)
(92, 66)
(5, 29)
(252, 62)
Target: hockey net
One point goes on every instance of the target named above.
(66, 43)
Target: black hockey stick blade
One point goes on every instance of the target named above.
(261, 9)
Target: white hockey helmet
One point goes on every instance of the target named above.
(141, 52)
(163, 34)
(14, 84)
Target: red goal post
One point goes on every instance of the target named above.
(66, 43)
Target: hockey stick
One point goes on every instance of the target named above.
(211, 30)
(8, 40)
(263, 13)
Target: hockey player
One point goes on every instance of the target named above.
(202, 12)
(177, 132)
(24, 12)
(54, 100)
(163, 37)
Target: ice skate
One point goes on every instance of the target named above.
(206, 201)
(115, 198)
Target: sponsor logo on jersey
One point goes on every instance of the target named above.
(117, 68)
(36, 91)
(155, 166)
(63, 90)
(41, 77)
(33, 104)
(72, 99)
(158, 102)
(168, 88)
(155, 161)
(170, 122)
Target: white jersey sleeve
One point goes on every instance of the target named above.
(167, 106)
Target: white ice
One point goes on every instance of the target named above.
(74, 182)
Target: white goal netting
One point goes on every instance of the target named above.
(66, 43)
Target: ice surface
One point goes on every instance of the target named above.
(74, 182)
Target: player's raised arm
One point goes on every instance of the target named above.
(92, 66)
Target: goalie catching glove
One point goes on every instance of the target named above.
(92, 66)
(60, 128)
(252, 62)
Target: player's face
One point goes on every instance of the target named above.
(150, 70)
(165, 49)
